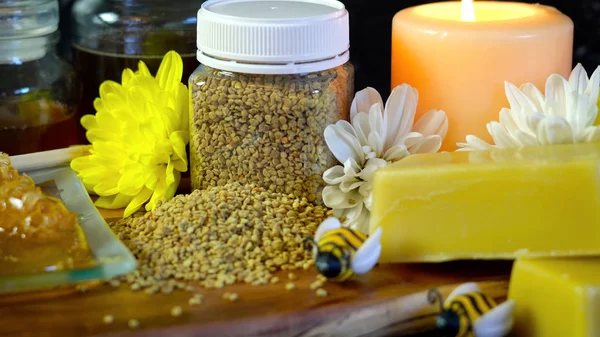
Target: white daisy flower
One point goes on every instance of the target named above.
(377, 136)
(566, 114)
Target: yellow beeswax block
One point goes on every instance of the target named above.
(556, 297)
(494, 204)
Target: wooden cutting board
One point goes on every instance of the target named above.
(389, 301)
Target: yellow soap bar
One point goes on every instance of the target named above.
(556, 297)
(496, 204)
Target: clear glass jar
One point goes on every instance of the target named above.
(111, 35)
(265, 126)
(38, 90)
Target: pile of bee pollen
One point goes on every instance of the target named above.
(219, 236)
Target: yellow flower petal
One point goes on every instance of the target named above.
(109, 150)
(137, 202)
(126, 76)
(107, 187)
(154, 179)
(182, 105)
(95, 176)
(81, 163)
(115, 102)
(179, 140)
(88, 121)
(98, 104)
(172, 188)
(170, 71)
(159, 193)
(164, 191)
(170, 174)
(179, 165)
(107, 122)
(132, 181)
(109, 87)
(113, 202)
(143, 69)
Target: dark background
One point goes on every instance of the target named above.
(370, 35)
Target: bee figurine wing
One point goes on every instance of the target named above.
(327, 225)
(462, 289)
(497, 322)
(367, 255)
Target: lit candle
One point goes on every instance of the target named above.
(458, 55)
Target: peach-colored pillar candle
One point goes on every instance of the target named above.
(458, 55)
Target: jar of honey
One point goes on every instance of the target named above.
(111, 35)
(38, 90)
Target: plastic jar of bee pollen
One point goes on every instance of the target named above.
(273, 76)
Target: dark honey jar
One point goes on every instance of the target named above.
(38, 90)
(111, 35)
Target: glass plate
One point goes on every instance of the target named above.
(111, 257)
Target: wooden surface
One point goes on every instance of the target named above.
(389, 301)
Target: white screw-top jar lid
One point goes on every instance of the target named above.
(273, 36)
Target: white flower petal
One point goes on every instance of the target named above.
(369, 153)
(411, 139)
(534, 120)
(558, 94)
(351, 168)
(395, 153)
(591, 134)
(519, 102)
(335, 198)
(535, 96)
(376, 122)
(346, 177)
(582, 114)
(554, 130)
(351, 184)
(501, 138)
(368, 201)
(344, 125)
(576, 105)
(363, 100)
(579, 79)
(365, 190)
(376, 143)
(525, 138)
(594, 86)
(429, 144)
(474, 143)
(357, 218)
(334, 175)
(509, 120)
(433, 122)
(368, 172)
(343, 144)
(362, 127)
(399, 114)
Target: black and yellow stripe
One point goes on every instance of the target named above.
(343, 244)
(469, 308)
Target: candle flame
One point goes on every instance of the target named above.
(467, 11)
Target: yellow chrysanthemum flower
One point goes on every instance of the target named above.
(139, 136)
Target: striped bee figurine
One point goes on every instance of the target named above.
(467, 312)
(342, 253)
